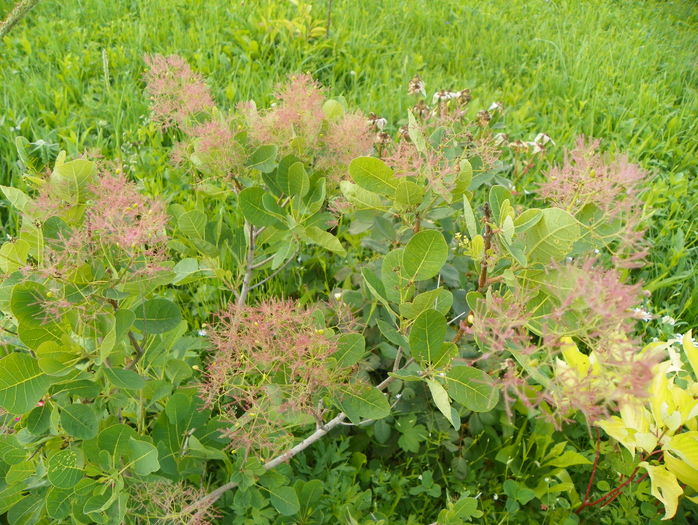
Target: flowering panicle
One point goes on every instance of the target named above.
(115, 221)
(588, 303)
(269, 368)
(166, 502)
(296, 123)
(346, 139)
(177, 93)
(601, 192)
(211, 147)
(297, 115)
(120, 215)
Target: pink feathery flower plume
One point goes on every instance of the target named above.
(586, 177)
(177, 93)
(346, 139)
(298, 113)
(120, 215)
(610, 192)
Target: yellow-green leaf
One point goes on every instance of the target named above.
(664, 487)
(691, 352)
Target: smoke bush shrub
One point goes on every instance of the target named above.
(119, 409)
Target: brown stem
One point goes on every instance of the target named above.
(137, 347)
(459, 334)
(321, 431)
(482, 281)
(417, 224)
(247, 277)
(594, 467)
(609, 497)
(329, 18)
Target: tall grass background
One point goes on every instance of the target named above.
(621, 71)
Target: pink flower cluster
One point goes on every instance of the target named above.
(269, 363)
(296, 123)
(118, 222)
(596, 309)
(601, 193)
(120, 215)
(177, 93)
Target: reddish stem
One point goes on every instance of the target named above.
(482, 281)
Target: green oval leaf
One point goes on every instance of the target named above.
(157, 316)
(374, 175)
(22, 383)
(394, 283)
(143, 456)
(472, 388)
(408, 194)
(425, 254)
(528, 219)
(427, 336)
(362, 199)
(552, 237)
(298, 181)
(64, 470)
(79, 421)
(252, 206)
(122, 378)
(38, 420)
(263, 158)
(116, 439)
(350, 349)
(58, 503)
(285, 500)
(325, 239)
(27, 302)
(361, 401)
(439, 299)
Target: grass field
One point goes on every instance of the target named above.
(621, 71)
(145, 345)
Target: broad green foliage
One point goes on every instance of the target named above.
(111, 345)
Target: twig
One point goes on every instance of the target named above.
(262, 262)
(482, 281)
(323, 430)
(20, 10)
(593, 468)
(247, 277)
(137, 347)
(274, 273)
(329, 18)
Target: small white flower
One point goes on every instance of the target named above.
(597, 251)
(443, 95)
(500, 138)
(419, 477)
(338, 296)
(398, 396)
(495, 106)
(202, 333)
(543, 139)
(667, 319)
(641, 314)
(495, 497)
